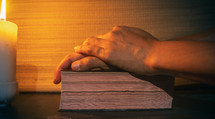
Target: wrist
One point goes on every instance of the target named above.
(153, 56)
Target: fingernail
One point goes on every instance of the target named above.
(55, 82)
(76, 66)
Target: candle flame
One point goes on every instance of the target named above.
(3, 10)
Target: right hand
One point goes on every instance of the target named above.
(124, 47)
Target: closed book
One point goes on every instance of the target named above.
(114, 91)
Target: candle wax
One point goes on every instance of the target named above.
(8, 39)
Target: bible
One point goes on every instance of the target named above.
(114, 91)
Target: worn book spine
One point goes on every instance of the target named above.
(112, 91)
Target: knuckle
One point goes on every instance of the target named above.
(118, 27)
(99, 51)
(114, 34)
(91, 50)
(91, 40)
(86, 42)
(88, 39)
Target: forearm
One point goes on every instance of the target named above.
(184, 58)
(137, 51)
(208, 35)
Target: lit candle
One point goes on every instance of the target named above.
(8, 38)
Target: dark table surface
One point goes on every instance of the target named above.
(45, 106)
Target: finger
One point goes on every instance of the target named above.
(91, 50)
(101, 36)
(88, 63)
(92, 40)
(64, 64)
(126, 30)
(117, 31)
(96, 41)
(112, 36)
(113, 32)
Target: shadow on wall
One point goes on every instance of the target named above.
(26, 74)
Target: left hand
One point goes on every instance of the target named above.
(78, 62)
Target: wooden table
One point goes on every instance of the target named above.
(45, 106)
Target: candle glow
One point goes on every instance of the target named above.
(3, 10)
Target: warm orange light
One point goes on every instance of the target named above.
(3, 10)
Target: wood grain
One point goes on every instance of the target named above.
(112, 90)
(49, 29)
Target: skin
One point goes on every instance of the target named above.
(137, 51)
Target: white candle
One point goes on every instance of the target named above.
(8, 39)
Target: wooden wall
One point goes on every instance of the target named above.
(49, 29)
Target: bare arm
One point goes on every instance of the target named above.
(137, 51)
(208, 35)
(189, 59)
